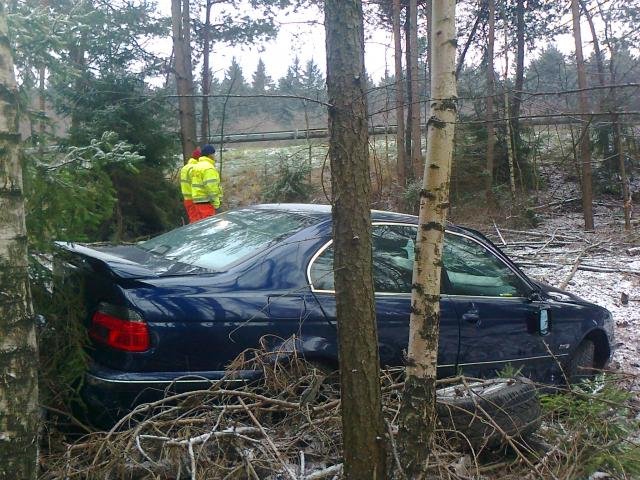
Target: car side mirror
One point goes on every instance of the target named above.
(544, 321)
(539, 321)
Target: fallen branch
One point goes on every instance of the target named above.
(499, 234)
(556, 204)
(574, 269)
(587, 268)
(276, 452)
(327, 472)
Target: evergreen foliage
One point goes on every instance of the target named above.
(595, 419)
(69, 191)
(291, 182)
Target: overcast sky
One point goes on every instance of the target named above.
(300, 34)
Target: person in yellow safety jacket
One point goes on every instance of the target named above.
(185, 184)
(206, 191)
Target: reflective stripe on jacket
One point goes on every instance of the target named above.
(205, 182)
(185, 179)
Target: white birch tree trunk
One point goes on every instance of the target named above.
(417, 413)
(18, 348)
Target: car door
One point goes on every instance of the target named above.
(393, 253)
(500, 322)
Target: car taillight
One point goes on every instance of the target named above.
(119, 328)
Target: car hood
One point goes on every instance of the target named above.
(128, 261)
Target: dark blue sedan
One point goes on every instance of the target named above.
(176, 309)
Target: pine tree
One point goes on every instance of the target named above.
(261, 82)
(312, 80)
(291, 83)
(362, 422)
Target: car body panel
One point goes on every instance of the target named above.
(199, 320)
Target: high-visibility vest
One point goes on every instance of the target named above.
(185, 179)
(205, 182)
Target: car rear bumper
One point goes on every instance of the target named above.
(108, 393)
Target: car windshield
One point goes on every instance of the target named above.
(219, 241)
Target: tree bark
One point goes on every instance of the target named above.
(416, 148)
(626, 191)
(585, 147)
(42, 109)
(519, 81)
(490, 78)
(417, 411)
(362, 421)
(181, 28)
(42, 104)
(507, 114)
(409, 84)
(18, 347)
(397, 40)
(206, 75)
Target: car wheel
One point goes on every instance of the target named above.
(582, 362)
(484, 412)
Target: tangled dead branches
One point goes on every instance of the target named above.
(287, 425)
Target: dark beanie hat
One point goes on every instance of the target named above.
(208, 149)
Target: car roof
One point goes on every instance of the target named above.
(323, 212)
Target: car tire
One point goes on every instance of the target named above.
(471, 415)
(582, 362)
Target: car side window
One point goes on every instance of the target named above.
(321, 271)
(393, 254)
(473, 270)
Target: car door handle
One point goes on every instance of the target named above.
(472, 315)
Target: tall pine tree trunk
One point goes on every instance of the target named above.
(409, 84)
(624, 179)
(397, 41)
(206, 74)
(585, 147)
(416, 150)
(507, 114)
(490, 79)
(362, 422)
(519, 82)
(18, 347)
(417, 410)
(42, 104)
(181, 28)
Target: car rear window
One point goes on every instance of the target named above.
(219, 241)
